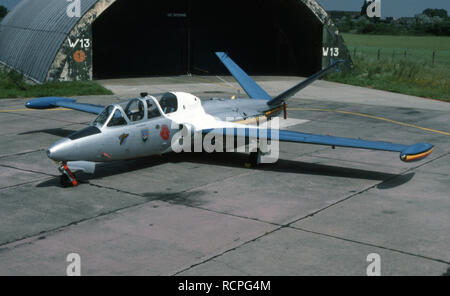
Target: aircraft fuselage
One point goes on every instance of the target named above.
(142, 137)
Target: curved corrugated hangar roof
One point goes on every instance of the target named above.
(125, 38)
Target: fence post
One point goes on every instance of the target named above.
(434, 57)
(354, 53)
(406, 52)
(379, 53)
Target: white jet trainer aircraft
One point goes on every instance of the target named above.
(148, 126)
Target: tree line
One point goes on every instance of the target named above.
(3, 12)
(429, 22)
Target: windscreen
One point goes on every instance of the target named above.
(102, 117)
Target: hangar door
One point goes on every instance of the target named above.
(174, 37)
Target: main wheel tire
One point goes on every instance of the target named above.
(65, 182)
(253, 159)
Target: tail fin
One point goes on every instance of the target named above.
(253, 90)
(292, 91)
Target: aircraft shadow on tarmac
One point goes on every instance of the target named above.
(59, 132)
(237, 160)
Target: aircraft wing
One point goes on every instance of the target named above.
(53, 102)
(408, 153)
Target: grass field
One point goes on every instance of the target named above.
(418, 42)
(12, 85)
(412, 73)
(416, 47)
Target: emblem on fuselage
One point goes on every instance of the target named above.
(165, 132)
(123, 138)
(144, 134)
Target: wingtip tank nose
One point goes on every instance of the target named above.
(416, 152)
(46, 103)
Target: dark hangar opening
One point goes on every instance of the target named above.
(175, 37)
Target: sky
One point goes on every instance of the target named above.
(394, 8)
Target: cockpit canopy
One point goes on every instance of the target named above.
(103, 116)
(169, 103)
(136, 110)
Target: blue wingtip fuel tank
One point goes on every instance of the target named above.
(47, 102)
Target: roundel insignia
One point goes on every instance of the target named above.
(165, 132)
(79, 56)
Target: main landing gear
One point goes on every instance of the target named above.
(67, 178)
(254, 159)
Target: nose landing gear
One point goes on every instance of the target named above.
(67, 178)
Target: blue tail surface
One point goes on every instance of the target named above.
(252, 89)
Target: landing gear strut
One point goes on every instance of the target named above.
(67, 178)
(255, 158)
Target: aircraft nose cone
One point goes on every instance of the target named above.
(49, 153)
(60, 151)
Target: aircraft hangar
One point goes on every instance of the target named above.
(47, 40)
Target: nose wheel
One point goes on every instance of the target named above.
(67, 177)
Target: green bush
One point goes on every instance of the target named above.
(406, 69)
(3, 12)
(15, 80)
(14, 85)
